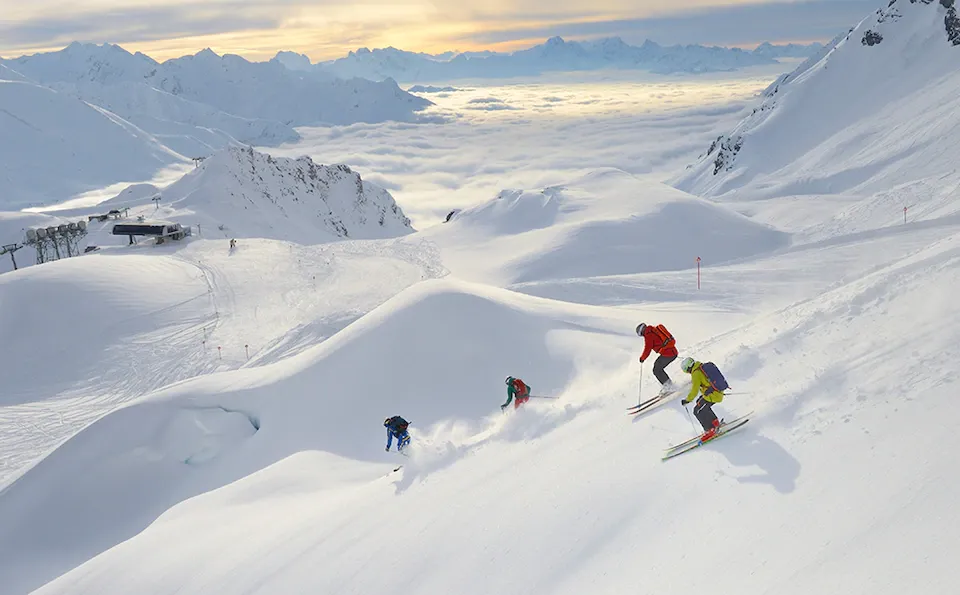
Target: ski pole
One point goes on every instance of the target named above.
(640, 390)
(690, 417)
(542, 397)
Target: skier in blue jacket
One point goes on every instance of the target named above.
(397, 428)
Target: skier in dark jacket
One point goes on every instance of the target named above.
(397, 428)
(659, 340)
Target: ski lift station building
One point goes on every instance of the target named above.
(162, 230)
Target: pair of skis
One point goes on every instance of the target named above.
(651, 404)
(696, 442)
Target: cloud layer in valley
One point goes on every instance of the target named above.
(534, 135)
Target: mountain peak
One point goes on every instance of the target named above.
(257, 195)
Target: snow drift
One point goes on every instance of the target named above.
(876, 108)
(607, 223)
(203, 434)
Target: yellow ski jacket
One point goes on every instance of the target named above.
(701, 384)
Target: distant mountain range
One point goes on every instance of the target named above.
(98, 114)
(555, 55)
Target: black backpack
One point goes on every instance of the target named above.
(398, 423)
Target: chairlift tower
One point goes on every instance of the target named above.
(10, 249)
(52, 243)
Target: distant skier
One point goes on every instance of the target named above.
(397, 428)
(517, 391)
(706, 378)
(233, 244)
(658, 339)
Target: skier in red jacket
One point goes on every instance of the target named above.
(658, 339)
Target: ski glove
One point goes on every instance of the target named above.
(387, 449)
(502, 407)
(684, 402)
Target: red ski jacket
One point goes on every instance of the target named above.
(652, 341)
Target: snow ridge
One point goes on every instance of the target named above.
(890, 57)
(246, 193)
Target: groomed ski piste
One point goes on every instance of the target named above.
(268, 474)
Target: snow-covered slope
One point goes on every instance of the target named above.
(9, 74)
(827, 485)
(878, 108)
(52, 146)
(245, 193)
(555, 55)
(607, 223)
(189, 127)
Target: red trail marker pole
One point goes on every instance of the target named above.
(698, 272)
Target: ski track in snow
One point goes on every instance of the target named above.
(293, 297)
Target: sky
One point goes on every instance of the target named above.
(327, 29)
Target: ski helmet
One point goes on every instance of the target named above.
(640, 328)
(687, 364)
(508, 380)
(386, 422)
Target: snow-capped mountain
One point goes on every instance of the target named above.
(53, 146)
(189, 127)
(555, 55)
(271, 91)
(877, 107)
(206, 99)
(293, 61)
(244, 193)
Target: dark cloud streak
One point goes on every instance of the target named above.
(138, 24)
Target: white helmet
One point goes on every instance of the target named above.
(687, 364)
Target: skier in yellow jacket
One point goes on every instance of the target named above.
(706, 379)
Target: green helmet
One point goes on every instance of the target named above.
(687, 364)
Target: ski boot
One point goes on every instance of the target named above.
(712, 432)
(666, 389)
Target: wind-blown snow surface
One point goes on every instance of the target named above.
(53, 145)
(608, 223)
(866, 116)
